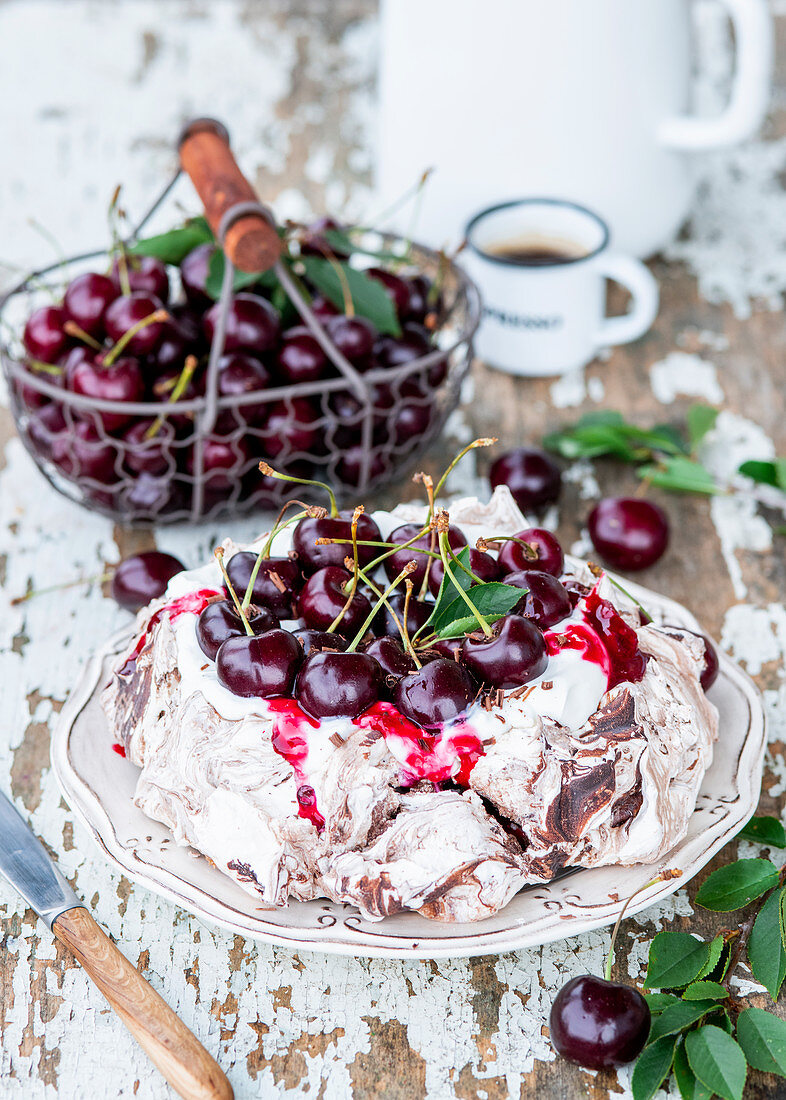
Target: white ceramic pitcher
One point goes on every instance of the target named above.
(585, 100)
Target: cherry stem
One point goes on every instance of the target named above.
(219, 556)
(264, 553)
(664, 876)
(456, 561)
(100, 577)
(599, 573)
(485, 442)
(401, 628)
(266, 468)
(156, 317)
(444, 546)
(408, 568)
(393, 546)
(181, 385)
(118, 247)
(73, 329)
(351, 588)
(41, 367)
(492, 542)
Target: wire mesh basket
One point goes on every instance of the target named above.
(356, 430)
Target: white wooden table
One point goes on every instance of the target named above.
(112, 83)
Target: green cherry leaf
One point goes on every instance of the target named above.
(492, 600)
(688, 1083)
(705, 991)
(447, 590)
(675, 960)
(657, 1002)
(677, 1017)
(764, 830)
(717, 947)
(737, 884)
(701, 419)
(652, 1068)
(766, 953)
(174, 246)
(369, 297)
(717, 1061)
(681, 475)
(766, 473)
(342, 241)
(240, 279)
(762, 1037)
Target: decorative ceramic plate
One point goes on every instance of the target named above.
(99, 785)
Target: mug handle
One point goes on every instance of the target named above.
(641, 283)
(750, 92)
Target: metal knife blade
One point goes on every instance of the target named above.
(27, 866)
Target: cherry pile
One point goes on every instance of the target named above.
(140, 332)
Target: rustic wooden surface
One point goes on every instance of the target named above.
(279, 1023)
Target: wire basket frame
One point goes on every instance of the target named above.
(356, 430)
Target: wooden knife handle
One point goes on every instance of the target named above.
(251, 243)
(166, 1040)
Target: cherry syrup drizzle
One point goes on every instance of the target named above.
(291, 727)
(193, 603)
(429, 756)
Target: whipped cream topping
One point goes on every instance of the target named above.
(292, 807)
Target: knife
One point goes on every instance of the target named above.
(166, 1040)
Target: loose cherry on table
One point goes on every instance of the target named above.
(314, 641)
(220, 620)
(263, 666)
(517, 553)
(396, 562)
(128, 310)
(532, 476)
(546, 601)
(86, 300)
(628, 533)
(323, 598)
(599, 1024)
(145, 274)
(277, 584)
(252, 324)
(143, 577)
(481, 564)
(513, 655)
(44, 336)
(436, 693)
(336, 685)
(312, 557)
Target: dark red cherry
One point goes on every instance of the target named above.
(449, 648)
(46, 429)
(322, 308)
(146, 275)
(263, 666)
(628, 533)
(44, 337)
(547, 601)
(277, 583)
(121, 382)
(542, 551)
(127, 311)
(397, 289)
(411, 422)
(194, 271)
(146, 497)
(353, 336)
(86, 300)
(532, 476)
(314, 641)
(143, 577)
(300, 358)
(389, 654)
(314, 242)
(599, 1024)
(223, 461)
(393, 351)
(31, 397)
(418, 306)
(252, 324)
(311, 557)
(485, 568)
(418, 614)
(220, 620)
(436, 693)
(290, 428)
(240, 374)
(172, 348)
(83, 452)
(350, 467)
(162, 389)
(145, 454)
(396, 562)
(323, 598)
(515, 654)
(338, 685)
(711, 668)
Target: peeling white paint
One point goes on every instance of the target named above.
(683, 373)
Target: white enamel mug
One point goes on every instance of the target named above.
(586, 99)
(549, 318)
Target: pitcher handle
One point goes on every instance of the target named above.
(747, 105)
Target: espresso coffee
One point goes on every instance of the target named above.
(536, 251)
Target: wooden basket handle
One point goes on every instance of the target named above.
(251, 242)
